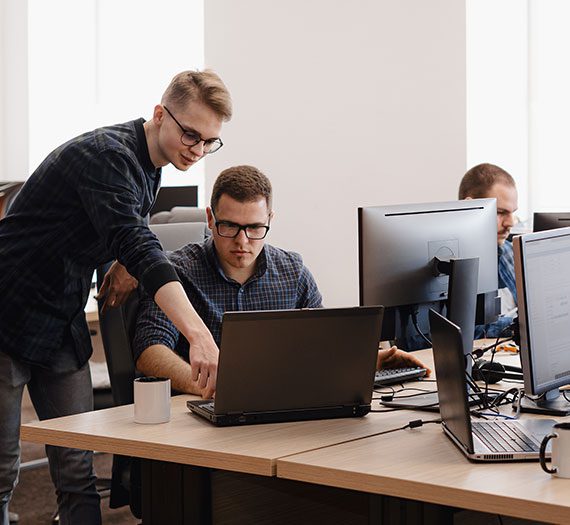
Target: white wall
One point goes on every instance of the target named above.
(342, 104)
(13, 90)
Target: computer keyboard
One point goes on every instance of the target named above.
(504, 436)
(390, 376)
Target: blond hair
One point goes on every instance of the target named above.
(202, 86)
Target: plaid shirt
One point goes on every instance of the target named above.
(85, 205)
(280, 282)
(506, 269)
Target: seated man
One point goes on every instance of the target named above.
(490, 181)
(232, 270)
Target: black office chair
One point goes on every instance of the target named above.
(117, 327)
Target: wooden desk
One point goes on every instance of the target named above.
(190, 440)
(315, 463)
(423, 464)
(172, 491)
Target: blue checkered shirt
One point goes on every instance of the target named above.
(83, 206)
(280, 281)
(506, 269)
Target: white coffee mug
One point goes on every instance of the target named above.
(152, 399)
(560, 437)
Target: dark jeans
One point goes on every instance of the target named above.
(53, 394)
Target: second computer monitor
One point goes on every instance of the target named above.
(543, 289)
(398, 246)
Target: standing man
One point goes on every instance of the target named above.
(490, 181)
(86, 205)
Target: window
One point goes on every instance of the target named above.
(99, 62)
(518, 102)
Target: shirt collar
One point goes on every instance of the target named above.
(143, 149)
(212, 256)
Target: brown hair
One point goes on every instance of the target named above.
(479, 180)
(242, 183)
(204, 86)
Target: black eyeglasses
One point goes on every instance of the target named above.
(191, 138)
(231, 230)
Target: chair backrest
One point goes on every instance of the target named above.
(173, 235)
(117, 324)
(179, 214)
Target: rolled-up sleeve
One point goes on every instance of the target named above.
(152, 328)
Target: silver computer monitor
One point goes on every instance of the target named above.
(397, 249)
(542, 263)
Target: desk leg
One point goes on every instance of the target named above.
(175, 494)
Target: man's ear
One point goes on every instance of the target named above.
(210, 217)
(271, 215)
(158, 114)
(468, 199)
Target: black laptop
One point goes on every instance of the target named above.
(290, 365)
(488, 440)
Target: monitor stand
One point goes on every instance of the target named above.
(552, 403)
(462, 302)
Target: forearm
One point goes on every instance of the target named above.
(161, 361)
(203, 356)
(173, 301)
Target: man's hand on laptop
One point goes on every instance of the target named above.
(395, 358)
(204, 362)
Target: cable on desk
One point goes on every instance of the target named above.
(411, 424)
(415, 423)
(394, 393)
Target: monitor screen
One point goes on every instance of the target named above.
(398, 246)
(542, 261)
(550, 221)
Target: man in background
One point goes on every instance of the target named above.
(490, 181)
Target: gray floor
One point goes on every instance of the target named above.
(34, 498)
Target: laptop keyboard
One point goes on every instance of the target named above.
(504, 436)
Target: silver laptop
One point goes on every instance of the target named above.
(485, 440)
(292, 365)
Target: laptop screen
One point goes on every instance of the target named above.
(297, 359)
(451, 383)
